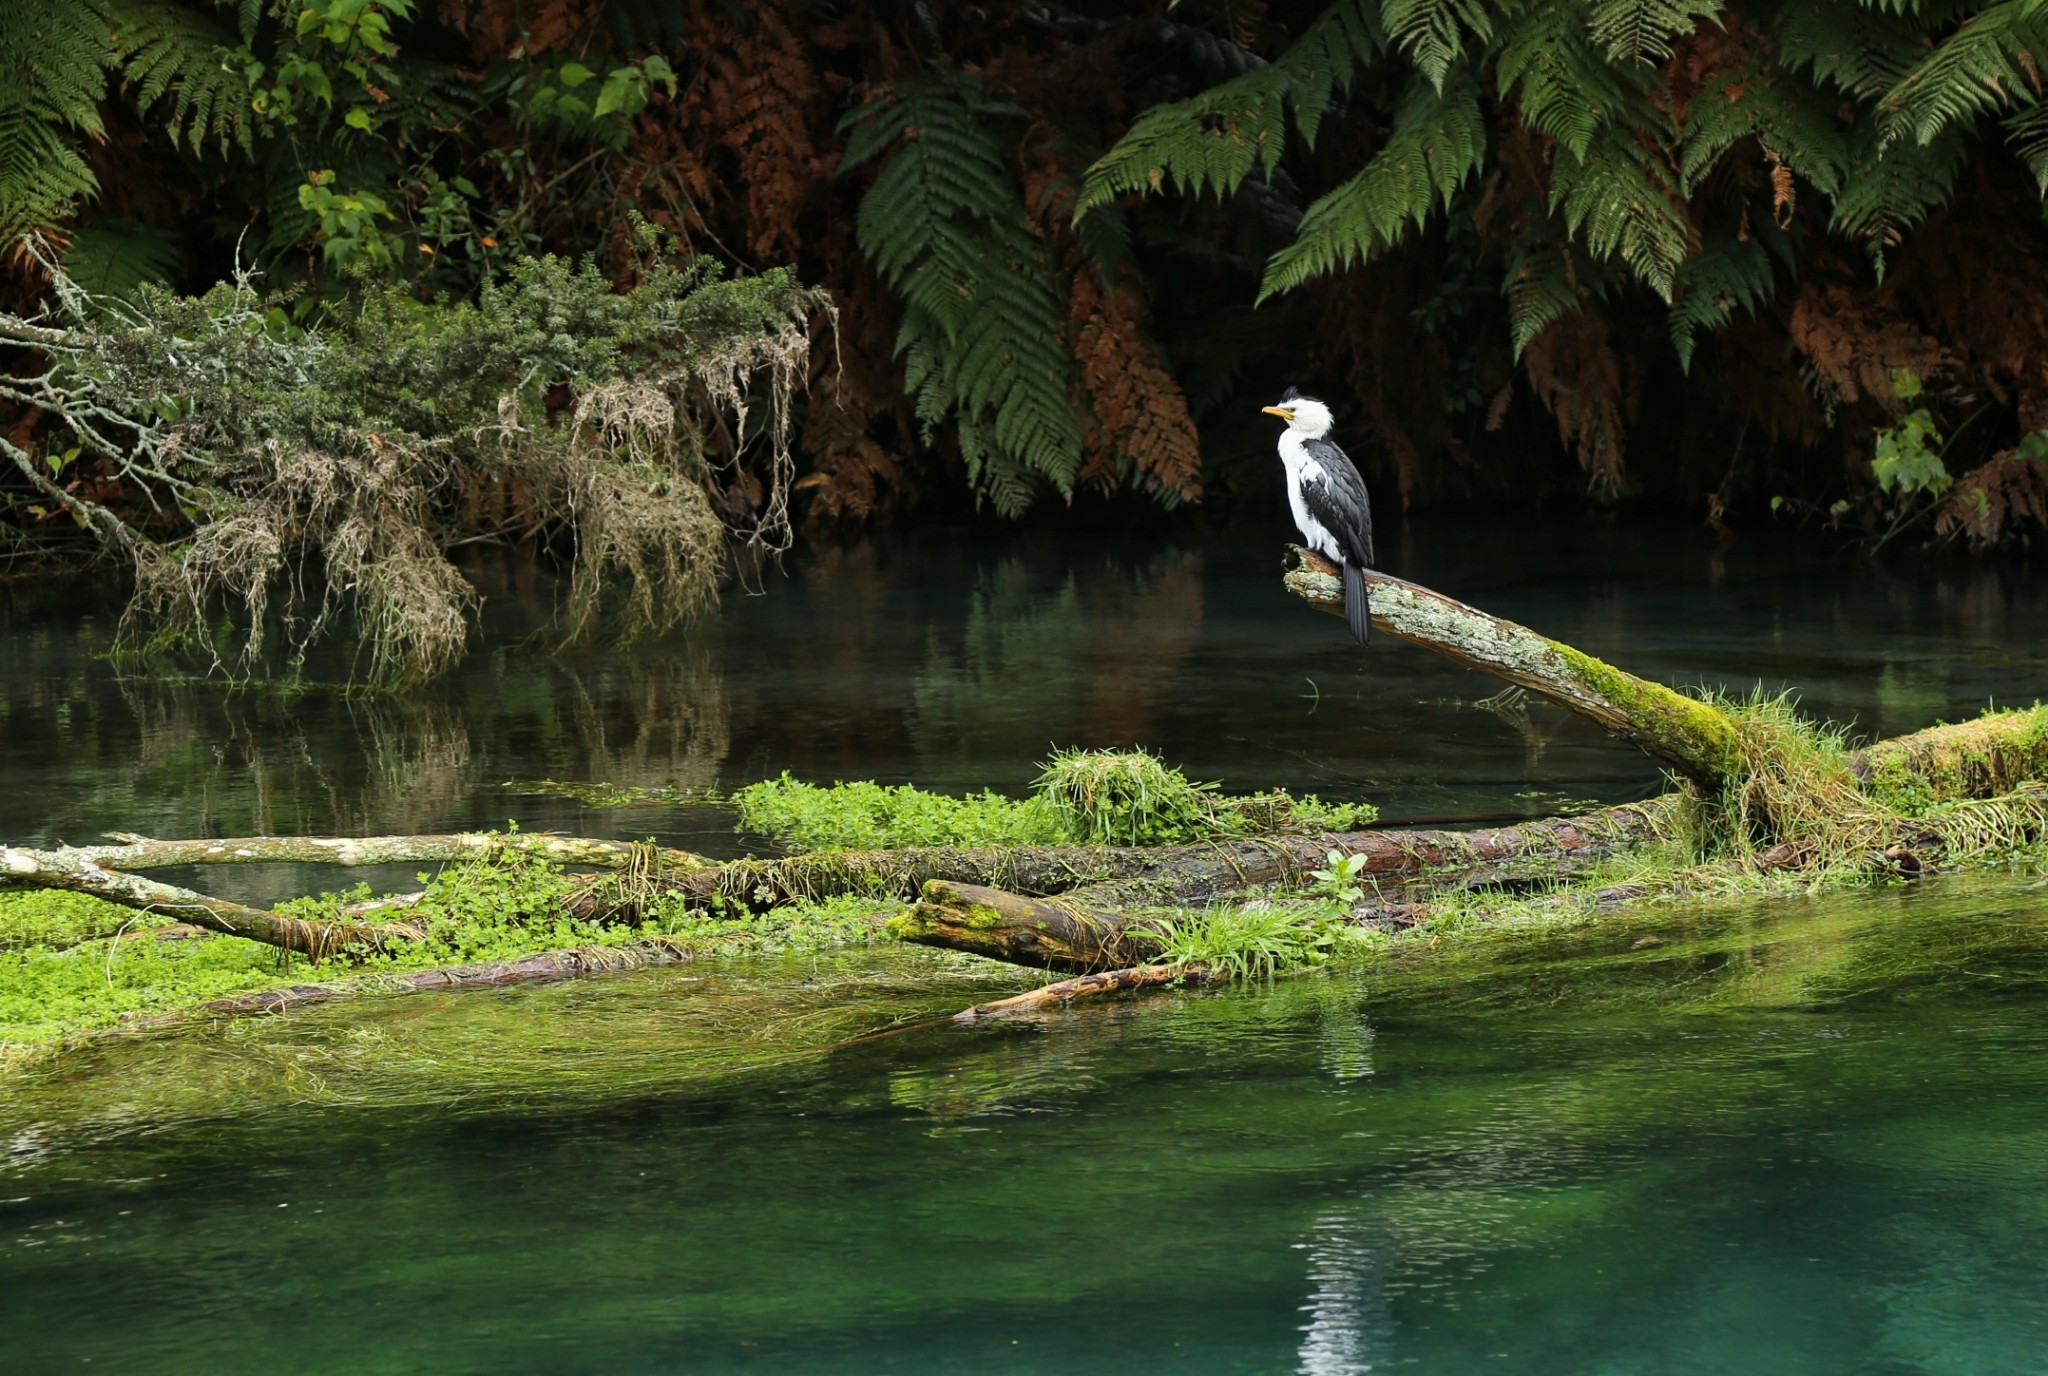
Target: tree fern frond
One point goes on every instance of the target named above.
(53, 74)
(169, 52)
(1726, 276)
(1892, 187)
(1791, 118)
(1435, 34)
(1563, 85)
(1991, 64)
(1642, 30)
(1213, 141)
(111, 260)
(2027, 132)
(1849, 48)
(983, 330)
(1541, 287)
(1438, 141)
(1623, 201)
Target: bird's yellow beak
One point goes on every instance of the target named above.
(1281, 411)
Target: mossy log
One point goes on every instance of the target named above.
(1049, 933)
(1687, 734)
(1994, 754)
(1155, 875)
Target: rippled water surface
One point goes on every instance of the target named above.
(1797, 1136)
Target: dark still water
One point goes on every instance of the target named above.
(961, 667)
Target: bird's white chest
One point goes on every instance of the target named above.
(1302, 468)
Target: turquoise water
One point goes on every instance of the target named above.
(1799, 1137)
(1787, 1137)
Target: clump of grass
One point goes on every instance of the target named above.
(1126, 798)
(1253, 941)
(1799, 797)
(1082, 797)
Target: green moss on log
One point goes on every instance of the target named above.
(1688, 732)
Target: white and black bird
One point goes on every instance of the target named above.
(1328, 498)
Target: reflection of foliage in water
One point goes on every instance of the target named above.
(191, 760)
(1083, 662)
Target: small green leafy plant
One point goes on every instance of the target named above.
(1340, 880)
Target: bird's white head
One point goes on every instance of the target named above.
(1305, 416)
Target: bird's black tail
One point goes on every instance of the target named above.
(1357, 608)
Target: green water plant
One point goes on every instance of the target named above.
(1081, 797)
(1248, 941)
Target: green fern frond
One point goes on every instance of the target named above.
(1622, 200)
(2027, 132)
(1642, 30)
(1563, 85)
(1435, 34)
(113, 260)
(1892, 187)
(1726, 276)
(1992, 64)
(1439, 140)
(1213, 141)
(1790, 118)
(1541, 287)
(983, 333)
(167, 52)
(1858, 52)
(53, 73)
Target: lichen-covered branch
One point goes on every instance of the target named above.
(143, 853)
(76, 872)
(1690, 736)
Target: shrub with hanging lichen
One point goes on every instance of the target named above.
(309, 479)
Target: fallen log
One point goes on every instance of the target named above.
(1050, 933)
(76, 872)
(1991, 755)
(132, 852)
(1161, 875)
(1687, 734)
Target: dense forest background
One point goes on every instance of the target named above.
(1741, 259)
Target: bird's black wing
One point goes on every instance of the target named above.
(1339, 502)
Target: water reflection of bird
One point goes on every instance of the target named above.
(1328, 498)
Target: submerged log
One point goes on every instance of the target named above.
(1087, 986)
(1690, 736)
(132, 852)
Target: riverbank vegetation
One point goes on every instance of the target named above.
(1781, 246)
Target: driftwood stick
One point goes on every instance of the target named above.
(1694, 739)
(1087, 986)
